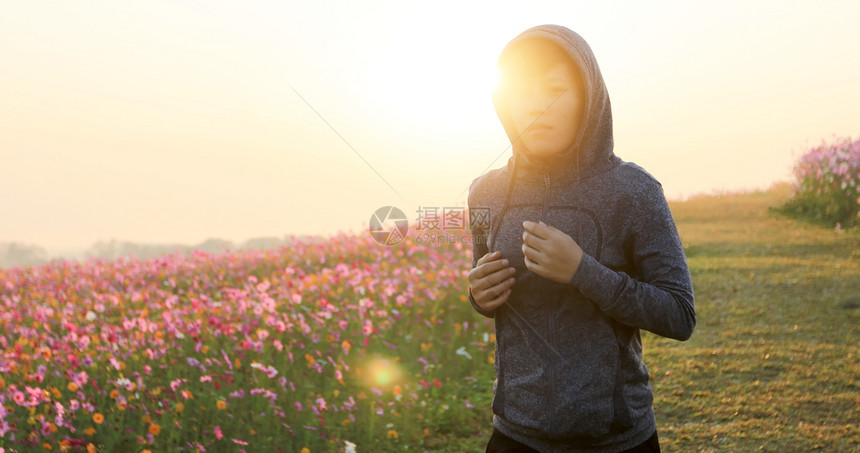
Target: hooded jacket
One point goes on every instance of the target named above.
(569, 370)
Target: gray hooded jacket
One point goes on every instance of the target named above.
(569, 370)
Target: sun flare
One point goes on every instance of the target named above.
(381, 373)
(420, 92)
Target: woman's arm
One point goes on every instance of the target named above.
(478, 234)
(661, 300)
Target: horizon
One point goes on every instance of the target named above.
(78, 253)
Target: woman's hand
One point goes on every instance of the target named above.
(550, 252)
(490, 281)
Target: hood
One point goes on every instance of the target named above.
(592, 149)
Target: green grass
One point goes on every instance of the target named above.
(774, 362)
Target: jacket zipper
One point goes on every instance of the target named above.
(550, 366)
(545, 192)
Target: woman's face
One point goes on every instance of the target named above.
(547, 109)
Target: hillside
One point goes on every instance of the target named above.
(774, 362)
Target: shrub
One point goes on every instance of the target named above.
(827, 184)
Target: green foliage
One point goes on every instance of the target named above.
(827, 186)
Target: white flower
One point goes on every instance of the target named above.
(462, 352)
(349, 447)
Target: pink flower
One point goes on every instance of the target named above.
(81, 378)
(218, 433)
(227, 359)
(240, 442)
(262, 287)
(35, 393)
(19, 398)
(271, 372)
(269, 304)
(176, 383)
(367, 329)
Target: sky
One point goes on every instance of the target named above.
(179, 121)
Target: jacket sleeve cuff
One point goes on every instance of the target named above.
(487, 314)
(596, 281)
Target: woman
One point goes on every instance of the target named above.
(581, 252)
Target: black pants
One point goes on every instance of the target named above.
(500, 443)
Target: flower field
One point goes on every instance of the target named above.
(827, 183)
(335, 344)
(343, 345)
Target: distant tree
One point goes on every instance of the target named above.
(114, 249)
(215, 245)
(103, 249)
(263, 243)
(18, 254)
